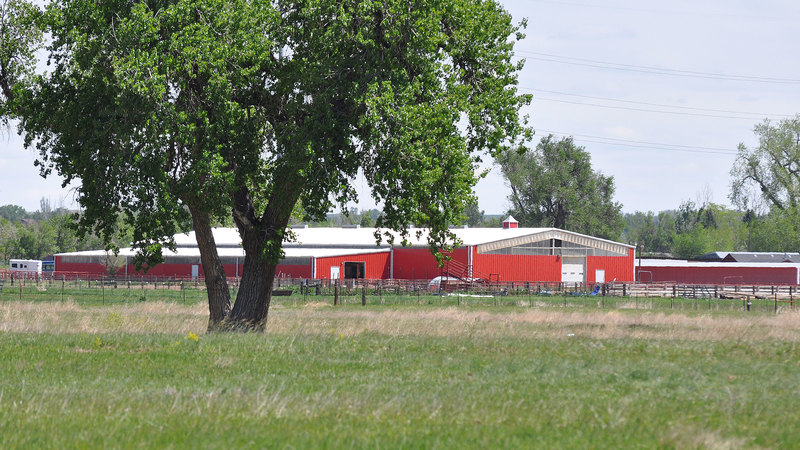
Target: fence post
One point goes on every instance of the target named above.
(335, 293)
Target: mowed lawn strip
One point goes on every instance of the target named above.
(400, 378)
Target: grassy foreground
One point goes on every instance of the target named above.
(401, 377)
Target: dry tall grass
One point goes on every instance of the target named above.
(317, 319)
(69, 317)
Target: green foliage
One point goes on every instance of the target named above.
(473, 215)
(690, 231)
(652, 233)
(555, 186)
(20, 38)
(46, 232)
(13, 213)
(693, 243)
(770, 172)
(778, 231)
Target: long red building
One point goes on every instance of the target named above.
(504, 255)
(717, 272)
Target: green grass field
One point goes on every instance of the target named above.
(143, 374)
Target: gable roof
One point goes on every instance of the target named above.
(538, 235)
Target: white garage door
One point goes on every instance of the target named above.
(572, 273)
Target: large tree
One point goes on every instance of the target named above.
(770, 171)
(554, 185)
(199, 110)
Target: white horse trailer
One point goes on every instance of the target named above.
(26, 265)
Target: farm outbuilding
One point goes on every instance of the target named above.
(509, 254)
(766, 270)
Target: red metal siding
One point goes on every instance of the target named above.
(376, 265)
(290, 271)
(519, 267)
(409, 263)
(620, 268)
(94, 269)
(720, 275)
(419, 263)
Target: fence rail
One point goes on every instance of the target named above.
(105, 290)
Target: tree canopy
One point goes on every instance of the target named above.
(176, 110)
(770, 171)
(554, 185)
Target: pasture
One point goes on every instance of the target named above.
(144, 374)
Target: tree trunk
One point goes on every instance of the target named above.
(219, 297)
(252, 302)
(250, 310)
(262, 240)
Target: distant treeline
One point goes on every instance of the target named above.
(39, 234)
(694, 230)
(689, 231)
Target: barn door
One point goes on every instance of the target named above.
(599, 276)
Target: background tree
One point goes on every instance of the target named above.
(20, 38)
(766, 184)
(13, 213)
(653, 233)
(778, 231)
(707, 228)
(555, 186)
(771, 170)
(30, 236)
(473, 215)
(205, 109)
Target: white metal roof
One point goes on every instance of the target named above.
(365, 237)
(321, 242)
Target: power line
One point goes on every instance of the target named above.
(628, 108)
(645, 144)
(681, 13)
(653, 70)
(661, 105)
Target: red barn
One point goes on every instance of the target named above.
(699, 272)
(506, 255)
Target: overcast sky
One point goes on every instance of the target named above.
(660, 94)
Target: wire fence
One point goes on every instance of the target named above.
(102, 290)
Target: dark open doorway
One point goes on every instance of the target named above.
(354, 269)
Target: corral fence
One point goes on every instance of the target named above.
(104, 289)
